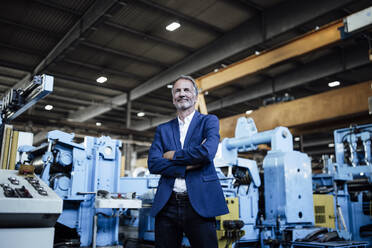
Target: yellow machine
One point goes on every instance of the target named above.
(324, 211)
(229, 225)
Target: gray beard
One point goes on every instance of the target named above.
(183, 107)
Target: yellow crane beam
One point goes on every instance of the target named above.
(324, 36)
(333, 104)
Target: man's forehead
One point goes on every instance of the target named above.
(183, 83)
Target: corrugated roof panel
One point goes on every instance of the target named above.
(111, 61)
(55, 21)
(165, 54)
(122, 83)
(232, 15)
(187, 34)
(33, 40)
(80, 5)
(222, 14)
(142, 69)
(90, 75)
(136, 16)
(39, 16)
(121, 40)
(266, 3)
(25, 60)
(94, 56)
(153, 22)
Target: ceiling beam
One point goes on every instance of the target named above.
(280, 19)
(84, 24)
(332, 104)
(309, 42)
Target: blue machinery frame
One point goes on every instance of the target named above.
(78, 171)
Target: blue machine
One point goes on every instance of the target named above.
(287, 185)
(84, 176)
(277, 213)
(276, 210)
(349, 181)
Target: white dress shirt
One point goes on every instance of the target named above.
(180, 183)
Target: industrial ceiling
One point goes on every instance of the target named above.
(126, 42)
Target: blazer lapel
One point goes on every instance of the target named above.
(176, 133)
(194, 123)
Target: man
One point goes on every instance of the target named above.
(189, 195)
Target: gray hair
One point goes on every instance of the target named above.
(189, 78)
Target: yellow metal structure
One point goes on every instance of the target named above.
(333, 104)
(309, 42)
(324, 210)
(9, 148)
(233, 205)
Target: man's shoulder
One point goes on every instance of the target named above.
(209, 117)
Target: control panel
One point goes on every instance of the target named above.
(27, 201)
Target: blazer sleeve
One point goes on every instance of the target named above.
(159, 165)
(205, 152)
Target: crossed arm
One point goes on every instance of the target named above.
(170, 154)
(175, 163)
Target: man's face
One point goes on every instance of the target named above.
(183, 94)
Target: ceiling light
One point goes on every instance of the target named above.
(101, 79)
(206, 93)
(334, 84)
(98, 124)
(173, 26)
(169, 86)
(316, 27)
(297, 138)
(215, 70)
(331, 145)
(48, 107)
(257, 52)
(140, 114)
(248, 112)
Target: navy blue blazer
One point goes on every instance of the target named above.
(200, 146)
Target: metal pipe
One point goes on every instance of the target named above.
(256, 139)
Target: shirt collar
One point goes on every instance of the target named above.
(187, 119)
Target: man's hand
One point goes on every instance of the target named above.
(169, 155)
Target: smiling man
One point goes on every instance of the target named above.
(189, 194)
